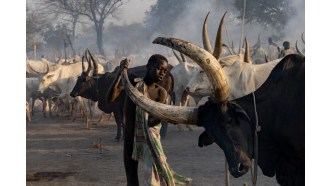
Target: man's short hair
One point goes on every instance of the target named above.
(155, 60)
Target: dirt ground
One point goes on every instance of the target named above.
(62, 152)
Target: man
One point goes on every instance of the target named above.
(271, 42)
(142, 131)
(286, 49)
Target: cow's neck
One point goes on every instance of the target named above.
(95, 93)
(261, 104)
(244, 78)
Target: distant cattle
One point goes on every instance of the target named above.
(64, 79)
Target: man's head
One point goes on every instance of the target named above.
(270, 40)
(286, 45)
(157, 67)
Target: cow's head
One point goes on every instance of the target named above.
(85, 81)
(225, 122)
(48, 79)
(229, 127)
(199, 82)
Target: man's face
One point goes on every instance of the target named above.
(158, 71)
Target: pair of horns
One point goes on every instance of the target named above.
(90, 58)
(218, 41)
(182, 59)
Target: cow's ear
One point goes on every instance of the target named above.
(239, 110)
(205, 140)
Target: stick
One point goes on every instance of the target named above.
(240, 41)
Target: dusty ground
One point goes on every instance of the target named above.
(62, 152)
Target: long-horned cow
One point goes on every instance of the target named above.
(243, 77)
(278, 107)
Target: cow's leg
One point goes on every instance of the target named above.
(28, 116)
(32, 106)
(90, 105)
(119, 122)
(163, 130)
(72, 111)
(131, 166)
(100, 117)
(49, 106)
(44, 105)
(84, 111)
(180, 127)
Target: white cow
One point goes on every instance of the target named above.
(35, 68)
(243, 78)
(64, 79)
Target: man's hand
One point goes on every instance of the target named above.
(124, 63)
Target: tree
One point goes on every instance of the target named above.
(57, 36)
(271, 14)
(35, 24)
(163, 15)
(96, 11)
(54, 8)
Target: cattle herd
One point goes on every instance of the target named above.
(250, 103)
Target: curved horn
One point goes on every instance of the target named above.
(89, 68)
(59, 58)
(41, 73)
(233, 48)
(176, 114)
(95, 62)
(177, 57)
(211, 66)
(302, 37)
(258, 44)
(82, 63)
(266, 58)
(247, 52)
(183, 57)
(300, 53)
(218, 40)
(206, 39)
(224, 45)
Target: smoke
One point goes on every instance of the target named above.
(296, 24)
(136, 38)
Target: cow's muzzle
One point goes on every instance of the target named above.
(239, 170)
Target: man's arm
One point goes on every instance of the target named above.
(115, 89)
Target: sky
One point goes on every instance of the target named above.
(12, 137)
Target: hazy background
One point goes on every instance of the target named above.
(137, 22)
